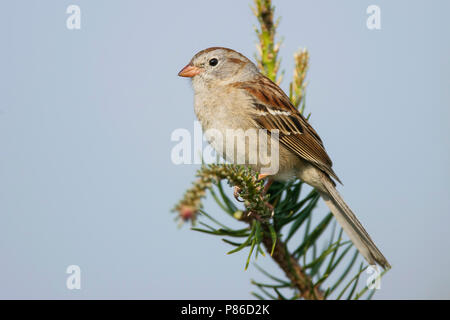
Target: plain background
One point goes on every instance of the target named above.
(85, 123)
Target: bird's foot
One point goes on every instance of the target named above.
(236, 192)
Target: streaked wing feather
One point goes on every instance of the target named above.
(275, 111)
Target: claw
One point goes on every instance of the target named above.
(236, 193)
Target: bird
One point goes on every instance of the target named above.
(230, 93)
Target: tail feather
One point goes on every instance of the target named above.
(352, 227)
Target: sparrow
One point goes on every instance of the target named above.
(231, 94)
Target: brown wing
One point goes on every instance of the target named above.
(275, 111)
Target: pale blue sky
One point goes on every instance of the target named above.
(86, 117)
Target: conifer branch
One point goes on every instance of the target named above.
(274, 216)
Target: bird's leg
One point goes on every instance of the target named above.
(266, 188)
(268, 184)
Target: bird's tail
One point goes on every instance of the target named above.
(351, 225)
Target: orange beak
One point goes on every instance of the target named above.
(189, 71)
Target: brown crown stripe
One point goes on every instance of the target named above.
(218, 48)
(237, 61)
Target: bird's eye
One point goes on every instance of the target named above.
(213, 62)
